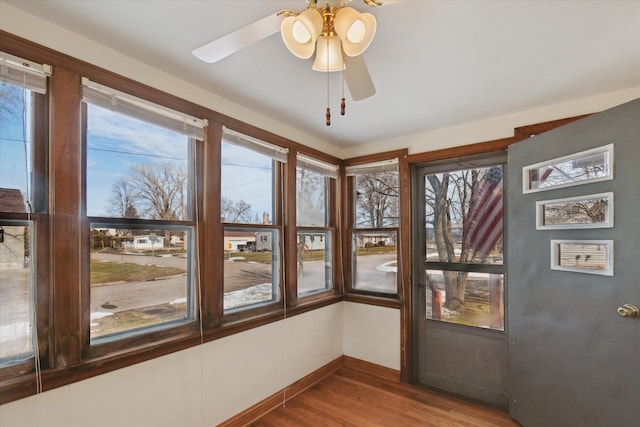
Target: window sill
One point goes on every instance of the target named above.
(390, 301)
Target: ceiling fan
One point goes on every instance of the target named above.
(337, 33)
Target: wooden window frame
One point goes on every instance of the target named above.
(124, 340)
(234, 317)
(403, 229)
(331, 222)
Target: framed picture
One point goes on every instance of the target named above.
(589, 211)
(583, 256)
(587, 166)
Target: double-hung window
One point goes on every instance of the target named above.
(374, 227)
(140, 189)
(251, 211)
(314, 182)
(22, 86)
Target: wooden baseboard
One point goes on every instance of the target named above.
(371, 368)
(275, 400)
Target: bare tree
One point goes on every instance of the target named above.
(122, 202)
(445, 216)
(154, 191)
(239, 211)
(159, 190)
(377, 200)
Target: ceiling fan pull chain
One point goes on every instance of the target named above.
(328, 112)
(343, 103)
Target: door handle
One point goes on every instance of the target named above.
(629, 310)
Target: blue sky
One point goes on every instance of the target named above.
(247, 176)
(14, 158)
(115, 143)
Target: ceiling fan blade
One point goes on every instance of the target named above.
(358, 79)
(239, 39)
(390, 2)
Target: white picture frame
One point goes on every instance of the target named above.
(583, 256)
(584, 167)
(588, 211)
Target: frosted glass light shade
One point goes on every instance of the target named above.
(300, 32)
(328, 55)
(355, 29)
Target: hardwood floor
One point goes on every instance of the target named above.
(350, 397)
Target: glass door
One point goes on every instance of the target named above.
(460, 320)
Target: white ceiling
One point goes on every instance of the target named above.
(435, 64)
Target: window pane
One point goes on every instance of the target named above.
(464, 216)
(472, 299)
(311, 198)
(251, 266)
(377, 200)
(139, 278)
(135, 169)
(15, 148)
(314, 261)
(16, 288)
(375, 261)
(247, 186)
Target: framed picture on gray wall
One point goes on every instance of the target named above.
(588, 211)
(579, 168)
(583, 256)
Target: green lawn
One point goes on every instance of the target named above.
(377, 251)
(104, 272)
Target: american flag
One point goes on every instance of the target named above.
(484, 225)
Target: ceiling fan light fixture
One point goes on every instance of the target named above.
(355, 29)
(328, 55)
(300, 32)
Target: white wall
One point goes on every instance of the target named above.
(200, 386)
(372, 333)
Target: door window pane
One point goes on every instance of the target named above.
(375, 261)
(481, 294)
(463, 235)
(139, 278)
(463, 211)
